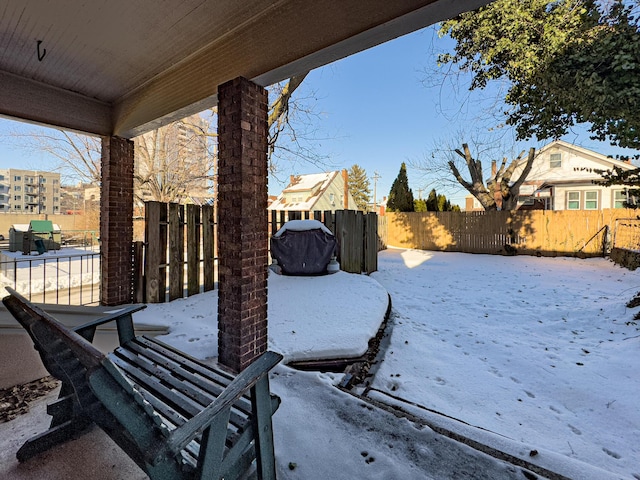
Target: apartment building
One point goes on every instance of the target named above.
(29, 191)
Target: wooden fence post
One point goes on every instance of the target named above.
(370, 242)
(176, 251)
(357, 242)
(208, 256)
(330, 223)
(155, 256)
(340, 234)
(138, 272)
(193, 249)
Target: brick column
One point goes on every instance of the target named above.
(242, 222)
(116, 220)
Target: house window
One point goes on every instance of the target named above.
(555, 160)
(591, 200)
(573, 200)
(332, 199)
(17, 178)
(17, 188)
(619, 198)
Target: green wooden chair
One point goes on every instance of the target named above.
(175, 416)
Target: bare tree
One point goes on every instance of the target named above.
(78, 156)
(173, 162)
(165, 168)
(294, 136)
(499, 191)
(169, 171)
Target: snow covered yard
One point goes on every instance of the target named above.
(537, 350)
(534, 349)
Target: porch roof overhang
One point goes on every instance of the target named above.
(117, 67)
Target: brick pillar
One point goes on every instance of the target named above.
(116, 220)
(242, 222)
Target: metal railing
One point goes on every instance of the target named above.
(58, 277)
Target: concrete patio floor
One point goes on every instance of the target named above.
(93, 455)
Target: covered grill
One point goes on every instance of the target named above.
(303, 247)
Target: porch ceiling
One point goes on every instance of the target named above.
(121, 67)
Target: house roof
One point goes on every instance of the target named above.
(313, 185)
(122, 67)
(304, 183)
(606, 161)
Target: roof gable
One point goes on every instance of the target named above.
(305, 191)
(570, 163)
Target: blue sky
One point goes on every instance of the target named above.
(372, 109)
(377, 112)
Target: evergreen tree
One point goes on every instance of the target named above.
(437, 202)
(432, 201)
(359, 186)
(419, 205)
(443, 204)
(400, 196)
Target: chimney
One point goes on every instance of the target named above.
(292, 179)
(345, 178)
(494, 169)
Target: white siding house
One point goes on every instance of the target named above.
(562, 179)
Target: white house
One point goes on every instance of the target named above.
(561, 178)
(317, 191)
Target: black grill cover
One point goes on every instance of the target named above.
(305, 252)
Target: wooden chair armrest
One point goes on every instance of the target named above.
(181, 436)
(123, 319)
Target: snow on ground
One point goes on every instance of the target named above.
(536, 350)
(51, 271)
(332, 316)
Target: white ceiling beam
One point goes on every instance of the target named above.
(24, 99)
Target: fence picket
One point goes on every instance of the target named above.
(176, 251)
(193, 250)
(208, 254)
(153, 254)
